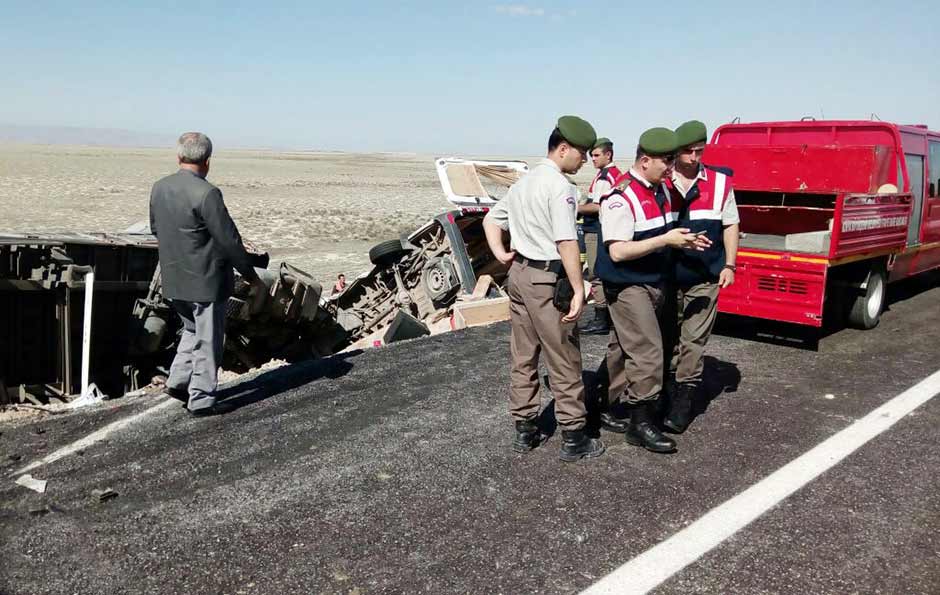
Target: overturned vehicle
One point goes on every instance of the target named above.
(123, 334)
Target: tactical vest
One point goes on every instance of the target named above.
(701, 210)
(653, 216)
(591, 223)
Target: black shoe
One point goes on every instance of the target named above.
(215, 409)
(643, 431)
(600, 325)
(576, 444)
(527, 435)
(680, 413)
(180, 394)
(611, 423)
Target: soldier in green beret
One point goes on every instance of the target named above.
(539, 212)
(704, 201)
(638, 233)
(602, 156)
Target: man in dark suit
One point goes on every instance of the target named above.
(199, 244)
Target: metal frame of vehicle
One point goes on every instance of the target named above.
(439, 262)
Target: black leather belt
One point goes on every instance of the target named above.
(545, 265)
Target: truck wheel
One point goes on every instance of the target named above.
(386, 253)
(866, 308)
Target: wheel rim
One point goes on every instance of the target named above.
(876, 294)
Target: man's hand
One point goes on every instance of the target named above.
(259, 295)
(504, 256)
(725, 278)
(684, 239)
(494, 238)
(577, 306)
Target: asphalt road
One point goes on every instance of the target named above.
(389, 471)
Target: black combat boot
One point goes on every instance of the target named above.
(670, 387)
(600, 325)
(612, 423)
(576, 444)
(527, 435)
(680, 413)
(644, 432)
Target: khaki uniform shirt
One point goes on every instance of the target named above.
(538, 211)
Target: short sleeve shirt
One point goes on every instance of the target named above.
(538, 211)
(617, 221)
(729, 212)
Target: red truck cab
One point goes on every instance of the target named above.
(831, 212)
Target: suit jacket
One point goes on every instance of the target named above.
(198, 241)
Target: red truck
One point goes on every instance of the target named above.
(831, 212)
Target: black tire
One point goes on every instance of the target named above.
(865, 310)
(387, 252)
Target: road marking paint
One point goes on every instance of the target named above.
(654, 566)
(95, 436)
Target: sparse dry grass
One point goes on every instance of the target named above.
(320, 211)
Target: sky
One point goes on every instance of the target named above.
(468, 78)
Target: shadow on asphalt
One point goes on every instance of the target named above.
(808, 338)
(912, 287)
(719, 377)
(274, 382)
(771, 332)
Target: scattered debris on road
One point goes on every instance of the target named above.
(30, 482)
(104, 495)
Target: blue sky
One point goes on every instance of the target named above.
(460, 78)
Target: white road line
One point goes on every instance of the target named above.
(94, 437)
(651, 568)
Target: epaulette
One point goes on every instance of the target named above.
(616, 190)
(624, 183)
(721, 169)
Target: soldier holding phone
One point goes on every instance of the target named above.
(704, 202)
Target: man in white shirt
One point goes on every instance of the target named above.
(539, 214)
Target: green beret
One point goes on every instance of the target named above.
(603, 141)
(577, 131)
(659, 141)
(691, 132)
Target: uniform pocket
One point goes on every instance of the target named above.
(542, 277)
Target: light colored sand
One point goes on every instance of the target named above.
(319, 211)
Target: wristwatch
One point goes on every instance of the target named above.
(730, 267)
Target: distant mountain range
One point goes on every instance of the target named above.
(73, 135)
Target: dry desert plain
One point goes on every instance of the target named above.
(319, 211)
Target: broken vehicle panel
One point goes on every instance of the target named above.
(42, 282)
(411, 291)
(424, 274)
